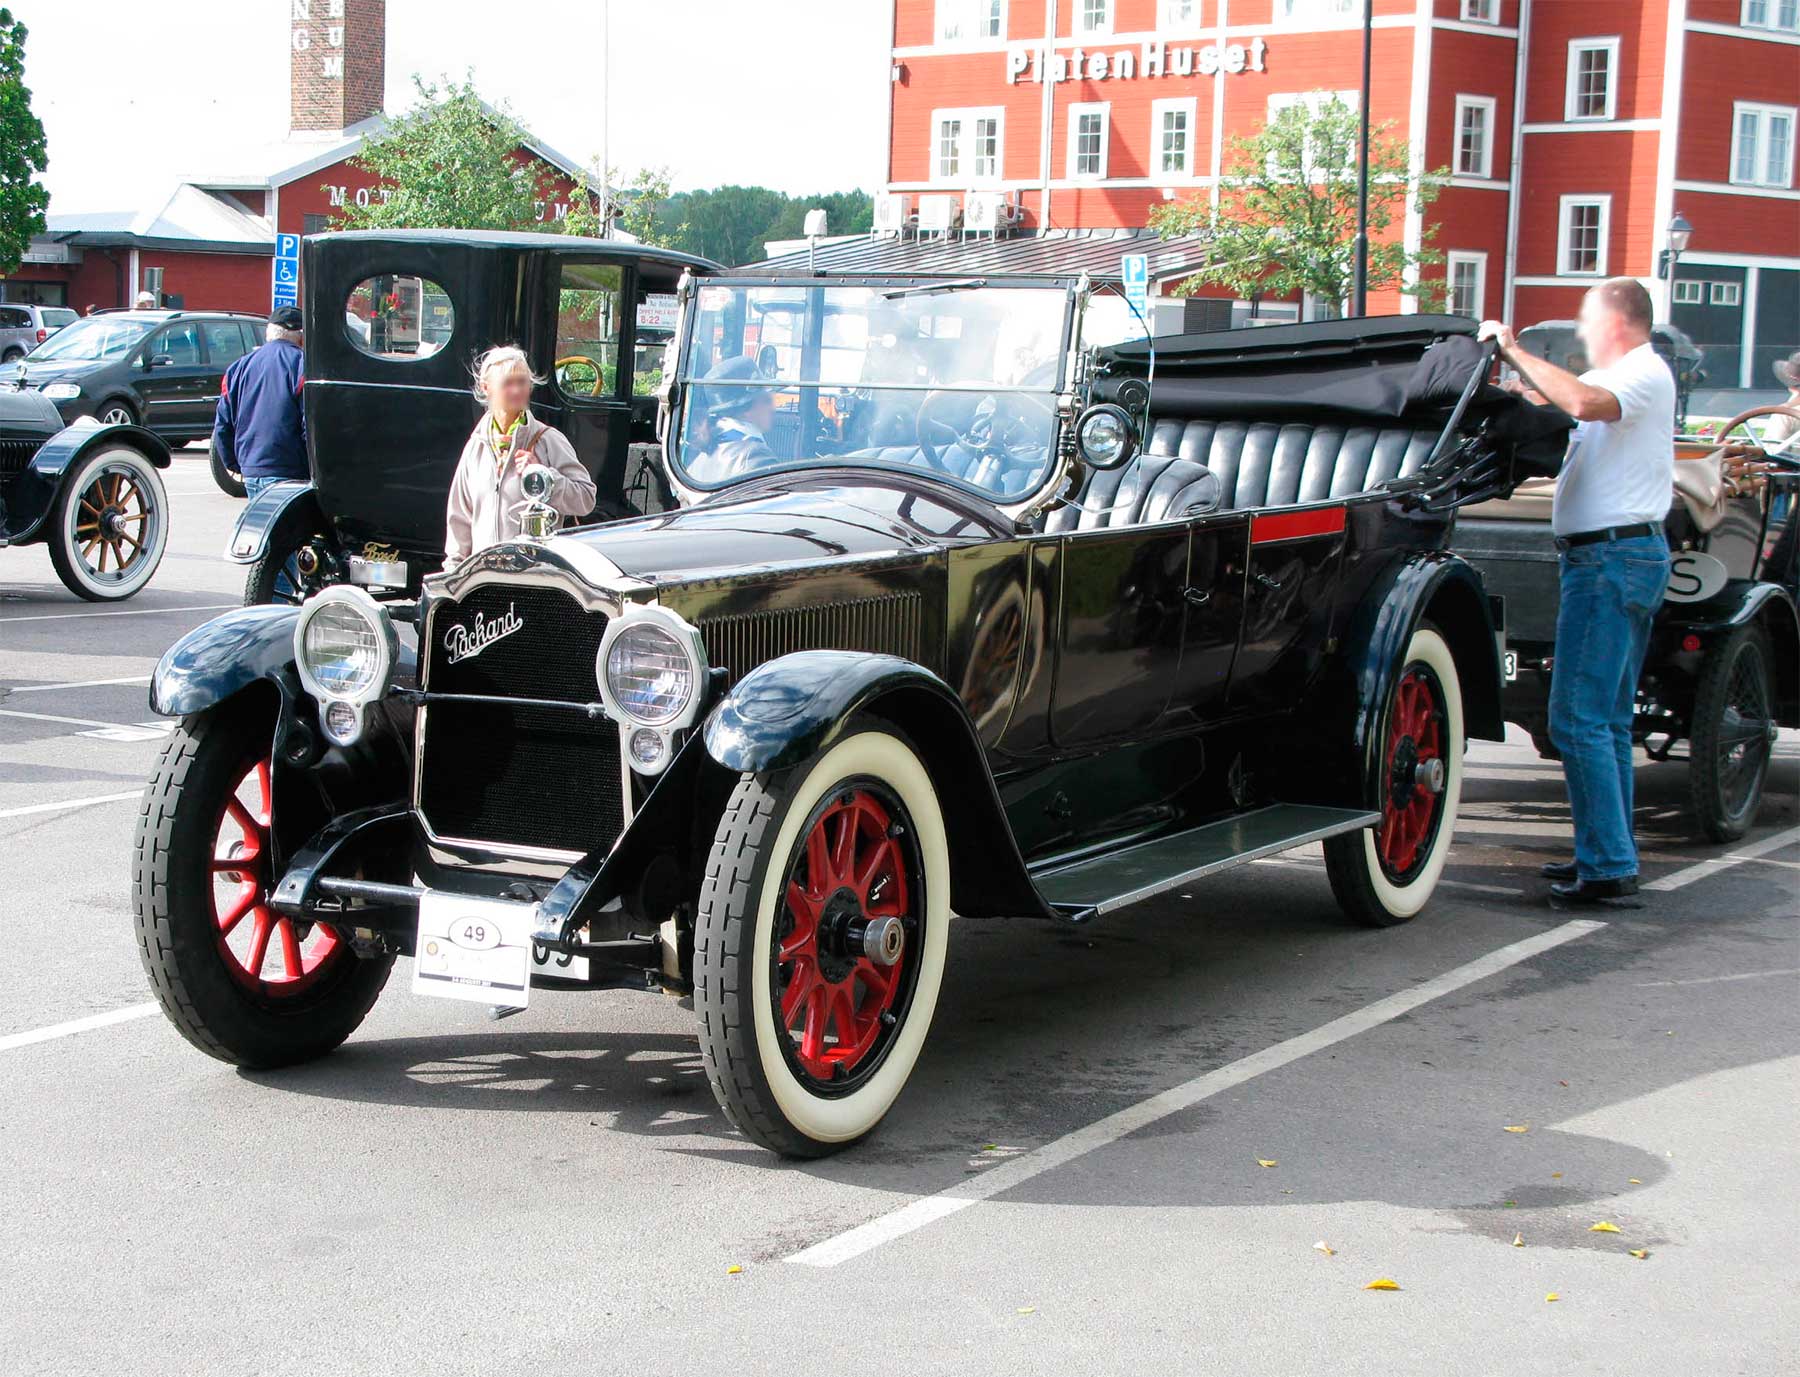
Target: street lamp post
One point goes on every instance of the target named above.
(1680, 231)
(1359, 280)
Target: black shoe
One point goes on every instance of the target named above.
(1595, 891)
(1557, 870)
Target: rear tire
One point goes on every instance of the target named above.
(854, 835)
(1383, 875)
(1734, 706)
(230, 481)
(277, 578)
(237, 980)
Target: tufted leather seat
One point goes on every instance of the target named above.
(1197, 465)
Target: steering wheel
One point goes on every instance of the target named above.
(1745, 463)
(994, 414)
(580, 360)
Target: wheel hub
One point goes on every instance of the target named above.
(848, 934)
(1407, 769)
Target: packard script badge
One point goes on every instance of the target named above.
(466, 642)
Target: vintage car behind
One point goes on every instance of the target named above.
(1723, 668)
(1556, 341)
(395, 319)
(931, 634)
(90, 492)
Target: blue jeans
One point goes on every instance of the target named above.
(1610, 593)
(253, 486)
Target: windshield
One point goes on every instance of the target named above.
(94, 337)
(55, 317)
(957, 382)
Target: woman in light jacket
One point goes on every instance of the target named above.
(485, 494)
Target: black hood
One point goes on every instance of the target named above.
(799, 519)
(27, 416)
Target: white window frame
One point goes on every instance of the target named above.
(1564, 206)
(1076, 110)
(1187, 106)
(1762, 113)
(1571, 81)
(1771, 15)
(1481, 11)
(1477, 260)
(965, 174)
(1301, 14)
(1681, 296)
(1104, 26)
(1724, 293)
(1485, 165)
(1166, 22)
(1312, 100)
(965, 12)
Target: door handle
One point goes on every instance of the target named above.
(1198, 597)
(1272, 584)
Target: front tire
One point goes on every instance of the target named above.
(1383, 875)
(1732, 734)
(808, 1031)
(240, 981)
(117, 412)
(111, 525)
(230, 481)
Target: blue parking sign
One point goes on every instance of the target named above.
(286, 277)
(1134, 272)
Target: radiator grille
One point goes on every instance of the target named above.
(887, 625)
(510, 774)
(16, 454)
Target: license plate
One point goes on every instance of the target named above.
(377, 573)
(1510, 665)
(474, 949)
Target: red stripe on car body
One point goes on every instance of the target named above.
(1318, 521)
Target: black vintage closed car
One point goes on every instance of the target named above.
(90, 492)
(394, 321)
(930, 634)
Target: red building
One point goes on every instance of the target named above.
(211, 243)
(1574, 131)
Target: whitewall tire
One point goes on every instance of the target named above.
(110, 526)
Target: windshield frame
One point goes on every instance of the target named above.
(693, 490)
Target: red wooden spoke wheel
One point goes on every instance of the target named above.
(1413, 809)
(843, 939)
(269, 954)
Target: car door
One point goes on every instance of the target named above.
(1292, 566)
(172, 380)
(586, 397)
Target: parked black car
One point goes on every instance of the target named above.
(88, 491)
(1723, 668)
(395, 321)
(943, 640)
(156, 369)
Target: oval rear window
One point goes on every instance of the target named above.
(399, 316)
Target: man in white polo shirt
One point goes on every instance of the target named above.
(1612, 494)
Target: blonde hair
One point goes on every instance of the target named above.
(502, 358)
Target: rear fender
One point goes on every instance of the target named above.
(1743, 603)
(787, 711)
(278, 517)
(38, 488)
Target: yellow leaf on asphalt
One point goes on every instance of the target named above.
(1028, 1310)
(1556, 1176)
(1553, 1297)
(1383, 1284)
(1266, 1162)
(1323, 1247)
(1634, 1182)
(733, 1270)
(1640, 1252)
(1603, 1228)
(1518, 1128)
(1518, 1240)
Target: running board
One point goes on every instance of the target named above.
(1086, 889)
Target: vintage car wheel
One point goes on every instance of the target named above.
(821, 933)
(240, 981)
(1383, 875)
(283, 576)
(111, 525)
(1734, 712)
(230, 481)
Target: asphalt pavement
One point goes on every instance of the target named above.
(1182, 1140)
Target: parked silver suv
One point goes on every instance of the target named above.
(23, 327)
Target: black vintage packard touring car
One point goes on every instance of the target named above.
(931, 633)
(89, 491)
(395, 319)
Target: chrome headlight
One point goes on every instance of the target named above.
(61, 392)
(651, 669)
(344, 647)
(1105, 436)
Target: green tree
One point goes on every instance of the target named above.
(1286, 220)
(452, 163)
(23, 198)
(641, 208)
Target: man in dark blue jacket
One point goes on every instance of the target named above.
(260, 427)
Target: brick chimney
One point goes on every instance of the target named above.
(338, 50)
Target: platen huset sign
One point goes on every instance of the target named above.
(1153, 59)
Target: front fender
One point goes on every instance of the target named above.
(39, 485)
(786, 711)
(1742, 602)
(1445, 589)
(280, 515)
(218, 660)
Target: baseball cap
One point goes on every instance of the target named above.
(287, 317)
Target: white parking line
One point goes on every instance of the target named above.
(83, 683)
(51, 717)
(1017, 1170)
(131, 612)
(1688, 874)
(69, 803)
(1719, 979)
(77, 1025)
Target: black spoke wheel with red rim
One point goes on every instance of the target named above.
(820, 939)
(238, 979)
(1733, 734)
(1384, 874)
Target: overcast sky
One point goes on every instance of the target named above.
(783, 93)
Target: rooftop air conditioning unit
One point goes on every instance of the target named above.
(984, 212)
(891, 210)
(937, 214)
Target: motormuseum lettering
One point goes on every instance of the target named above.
(1153, 59)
